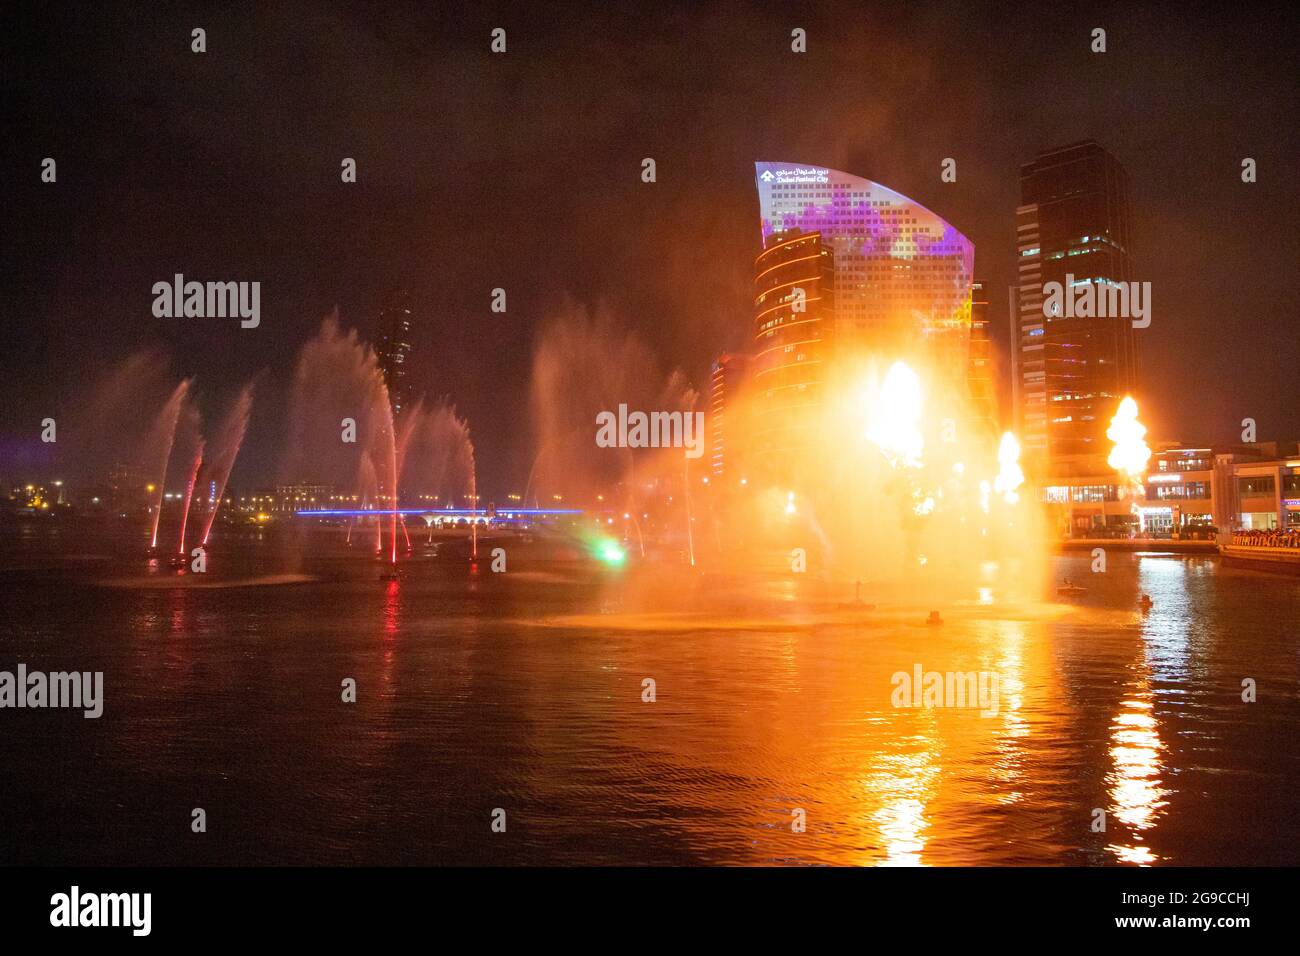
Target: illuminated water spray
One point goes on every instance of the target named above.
(1010, 476)
(225, 447)
(189, 495)
(168, 419)
(895, 422)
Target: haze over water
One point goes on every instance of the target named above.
(523, 691)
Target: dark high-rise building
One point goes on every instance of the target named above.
(794, 328)
(983, 393)
(394, 349)
(1073, 228)
(727, 414)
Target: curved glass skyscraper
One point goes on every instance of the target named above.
(902, 275)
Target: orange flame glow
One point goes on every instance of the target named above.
(1130, 453)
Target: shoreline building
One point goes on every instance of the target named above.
(794, 329)
(1251, 487)
(980, 377)
(902, 274)
(726, 414)
(1073, 227)
(891, 280)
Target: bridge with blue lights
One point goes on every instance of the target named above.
(441, 516)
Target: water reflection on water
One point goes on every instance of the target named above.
(518, 693)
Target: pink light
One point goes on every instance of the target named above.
(189, 493)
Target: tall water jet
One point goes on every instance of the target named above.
(423, 453)
(392, 472)
(107, 443)
(189, 495)
(435, 457)
(528, 485)
(225, 448)
(165, 429)
(586, 364)
(340, 422)
(473, 526)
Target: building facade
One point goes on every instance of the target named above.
(1073, 228)
(981, 372)
(727, 414)
(1187, 489)
(794, 334)
(851, 272)
(902, 275)
(394, 349)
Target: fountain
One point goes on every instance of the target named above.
(225, 447)
(185, 508)
(585, 364)
(165, 429)
(422, 452)
(890, 478)
(340, 423)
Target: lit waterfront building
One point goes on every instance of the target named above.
(794, 330)
(1264, 494)
(980, 377)
(902, 275)
(726, 413)
(301, 496)
(1240, 487)
(1073, 221)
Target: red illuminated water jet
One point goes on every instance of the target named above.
(385, 454)
(189, 494)
(226, 446)
(167, 420)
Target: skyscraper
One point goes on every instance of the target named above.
(794, 328)
(395, 348)
(902, 274)
(983, 394)
(726, 414)
(1071, 372)
(882, 278)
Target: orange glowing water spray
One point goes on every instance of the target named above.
(895, 418)
(1010, 475)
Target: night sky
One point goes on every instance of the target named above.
(522, 171)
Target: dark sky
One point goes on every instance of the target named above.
(522, 171)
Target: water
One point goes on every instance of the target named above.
(524, 691)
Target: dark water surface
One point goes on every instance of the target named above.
(516, 691)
